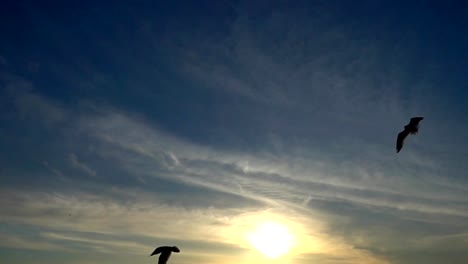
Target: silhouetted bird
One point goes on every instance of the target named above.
(165, 253)
(411, 128)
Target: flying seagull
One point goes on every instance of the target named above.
(411, 128)
(165, 253)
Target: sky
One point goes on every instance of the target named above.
(131, 125)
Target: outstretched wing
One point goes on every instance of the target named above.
(415, 120)
(175, 249)
(158, 250)
(163, 249)
(400, 139)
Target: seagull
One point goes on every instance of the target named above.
(411, 128)
(165, 253)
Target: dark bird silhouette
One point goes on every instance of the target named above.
(411, 128)
(165, 253)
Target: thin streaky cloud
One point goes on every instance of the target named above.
(203, 166)
(81, 165)
(17, 242)
(53, 170)
(101, 245)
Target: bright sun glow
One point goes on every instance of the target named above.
(271, 239)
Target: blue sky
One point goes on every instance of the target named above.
(126, 126)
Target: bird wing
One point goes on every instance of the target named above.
(400, 139)
(175, 249)
(158, 250)
(415, 120)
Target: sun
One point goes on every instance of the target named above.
(271, 239)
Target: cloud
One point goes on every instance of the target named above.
(99, 245)
(53, 170)
(16, 241)
(323, 118)
(295, 182)
(295, 187)
(36, 106)
(89, 212)
(29, 103)
(319, 188)
(325, 70)
(105, 225)
(143, 150)
(80, 165)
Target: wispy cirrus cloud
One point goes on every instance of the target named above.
(143, 220)
(143, 148)
(285, 181)
(16, 241)
(99, 245)
(305, 67)
(81, 165)
(300, 182)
